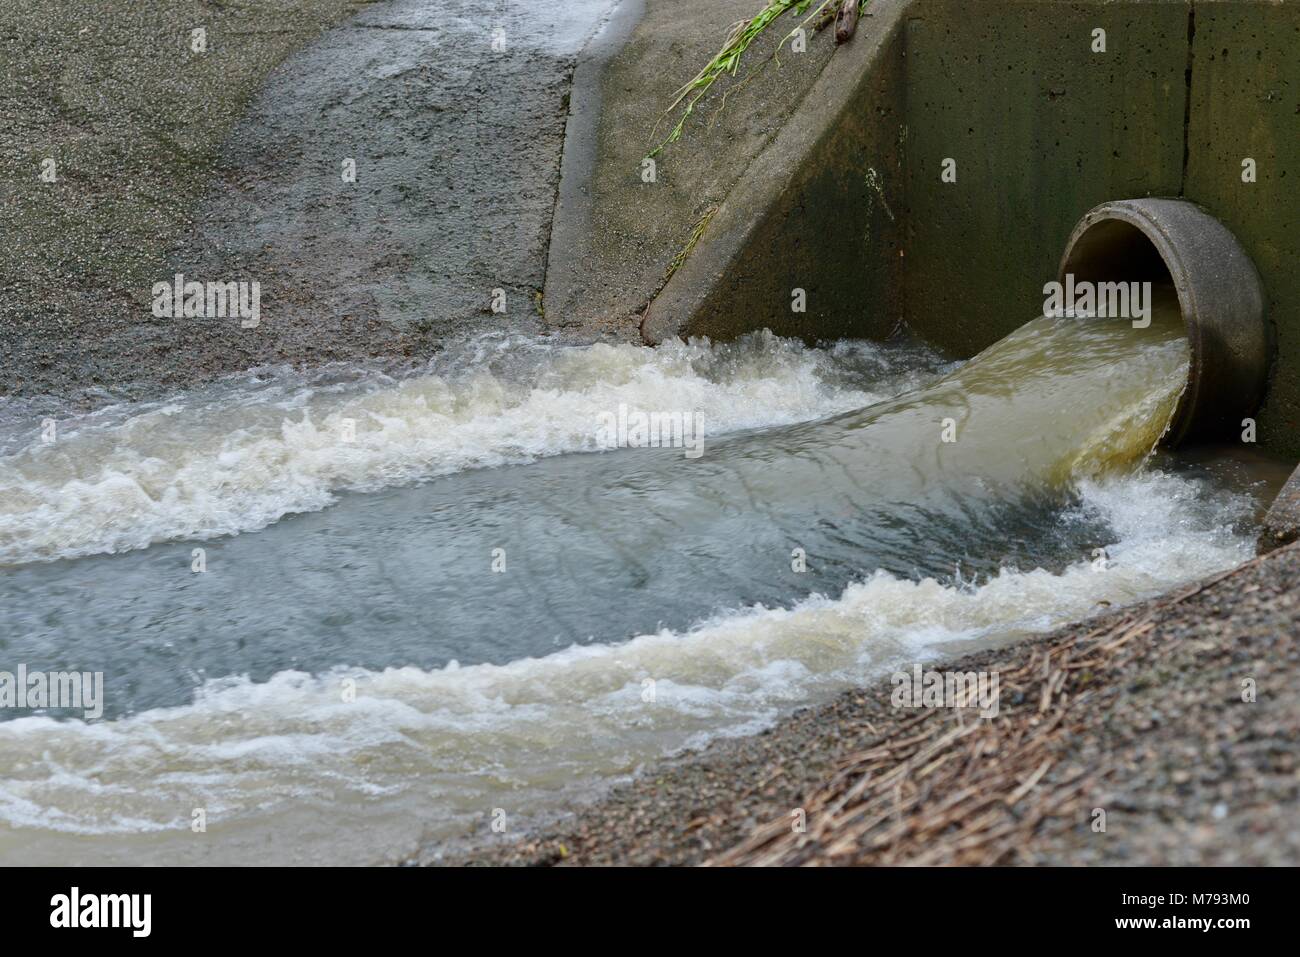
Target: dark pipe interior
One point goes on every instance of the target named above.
(1115, 251)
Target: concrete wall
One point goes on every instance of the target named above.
(1041, 129)
(615, 235)
(1246, 103)
(847, 201)
(822, 209)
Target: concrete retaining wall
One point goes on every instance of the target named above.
(845, 200)
(1042, 129)
(1246, 103)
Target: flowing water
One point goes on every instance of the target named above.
(348, 612)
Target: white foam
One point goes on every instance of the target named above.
(241, 455)
(432, 749)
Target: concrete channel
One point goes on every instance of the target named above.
(902, 200)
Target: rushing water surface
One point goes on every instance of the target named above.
(431, 595)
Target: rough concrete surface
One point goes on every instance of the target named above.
(132, 118)
(457, 148)
(456, 132)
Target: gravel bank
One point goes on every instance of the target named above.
(1139, 714)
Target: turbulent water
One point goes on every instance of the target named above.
(418, 606)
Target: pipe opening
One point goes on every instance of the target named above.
(1173, 242)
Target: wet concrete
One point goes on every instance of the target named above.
(455, 130)
(131, 117)
(454, 114)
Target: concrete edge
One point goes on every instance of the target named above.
(772, 171)
(1281, 524)
(573, 204)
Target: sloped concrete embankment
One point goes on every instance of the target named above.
(620, 226)
(113, 122)
(1041, 108)
(379, 181)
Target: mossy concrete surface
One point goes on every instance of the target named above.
(1041, 124)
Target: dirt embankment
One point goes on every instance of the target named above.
(1176, 719)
